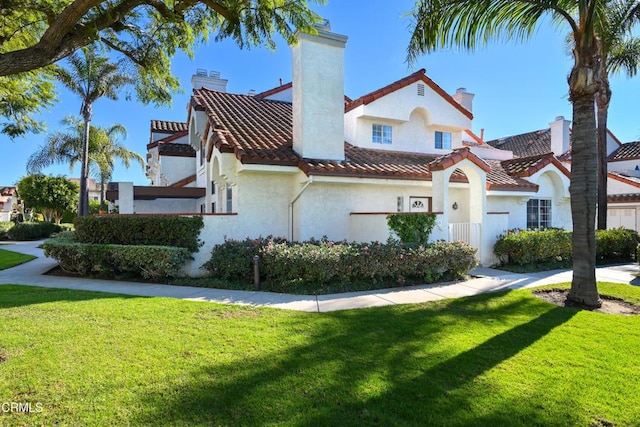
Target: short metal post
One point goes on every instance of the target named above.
(256, 272)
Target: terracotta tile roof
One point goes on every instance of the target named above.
(628, 151)
(526, 166)
(176, 150)
(164, 126)
(526, 144)
(624, 198)
(415, 77)
(8, 191)
(499, 179)
(259, 131)
(456, 156)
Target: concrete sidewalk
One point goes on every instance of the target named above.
(484, 280)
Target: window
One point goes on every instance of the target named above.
(229, 199)
(382, 134)
(443, 140)
(213, 207)
(203, 208)
(201, 153)
(538, 214)
(419, 204)
(213, 187)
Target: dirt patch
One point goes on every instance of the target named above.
(3, 358)
(610, 305)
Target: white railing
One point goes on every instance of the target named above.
(465, 232)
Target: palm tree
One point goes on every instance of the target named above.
(467, 23)
(104, 148)
(620, 52)
(91, 77)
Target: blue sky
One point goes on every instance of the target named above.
(518, 87)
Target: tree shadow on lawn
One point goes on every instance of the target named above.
(411, 365)
(23, 295)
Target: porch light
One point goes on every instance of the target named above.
(455, 205)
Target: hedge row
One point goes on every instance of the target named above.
(140, 230)
(522, 247)
(149, 262)
(318, 263)
(4, 228)
(32, 230)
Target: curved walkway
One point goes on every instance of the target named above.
(484, 280)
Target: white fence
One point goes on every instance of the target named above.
(466, 232)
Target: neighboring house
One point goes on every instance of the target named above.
(93, 187)
(623, 184)
(623, 187)
(8, 198)
(302, 160)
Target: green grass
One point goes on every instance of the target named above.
(494, 359)
(10, 259)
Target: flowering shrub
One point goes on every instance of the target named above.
(412, 227)
(321, 262)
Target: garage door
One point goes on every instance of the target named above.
(622, 217)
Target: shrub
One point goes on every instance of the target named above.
(616, 244)
(149, 262)
(412, 228)
(523, 247)
(32, 230)
(4, 229)
(318, 263)
(140, 230)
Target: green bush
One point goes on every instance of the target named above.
(149, 262)
(616, 244)
(319, 263)
(140, 230)
(32, 230)
(525, 247)
(412, 228)
(4, 229)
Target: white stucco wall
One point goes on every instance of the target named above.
(623, 165)
(165, 206)
(285, 95)
(617, 187)
(175, 168)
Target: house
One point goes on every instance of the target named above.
(302, 160)
(8, 200)
(93, 187)
(623, 164)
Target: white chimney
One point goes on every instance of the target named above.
(211, 81)
(464, 98)
(318, 94)
(560, 136)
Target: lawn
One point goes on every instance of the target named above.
(495, 359)
(10, 259)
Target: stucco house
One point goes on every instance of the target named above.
(302, 160)
(8, 198)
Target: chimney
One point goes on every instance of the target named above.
(318, 94)
(212, 81)
(464, 98)
(560, 136)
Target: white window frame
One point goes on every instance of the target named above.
(381, 134)
(444, 144)
(539, 217)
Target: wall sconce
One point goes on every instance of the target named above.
(455, 205)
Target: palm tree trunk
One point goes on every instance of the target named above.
(83, 208)
(583, 190)
(102, 185)
(603, 99)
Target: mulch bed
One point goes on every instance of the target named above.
(610, 305)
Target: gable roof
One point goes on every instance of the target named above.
(410, 79)
(628, 151)
(273, 91)
(626, 179)
(165, 126)
(260, 131)
(526, 166)
(526, 144)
